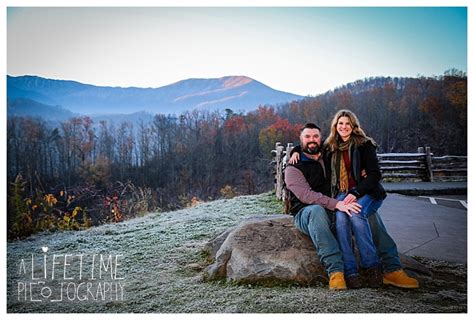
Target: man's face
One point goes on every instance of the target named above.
(310, 140)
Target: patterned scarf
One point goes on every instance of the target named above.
(339, 176)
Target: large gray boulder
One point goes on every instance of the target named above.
(270, 250)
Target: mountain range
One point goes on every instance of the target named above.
(32, 94)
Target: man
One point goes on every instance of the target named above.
(309, 197)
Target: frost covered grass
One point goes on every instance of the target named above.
(161, 262)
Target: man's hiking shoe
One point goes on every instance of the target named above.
(400, 279)
(336, 281)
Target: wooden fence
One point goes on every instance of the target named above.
(395, 167)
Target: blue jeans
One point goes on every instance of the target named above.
(359, 225)
(313, 221)
(386, 247)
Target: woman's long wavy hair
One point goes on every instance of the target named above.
(358, 135)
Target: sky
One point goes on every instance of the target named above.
(302, 50)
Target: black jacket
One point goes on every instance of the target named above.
(315, 175)
(364, 157)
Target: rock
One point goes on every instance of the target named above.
(214, 245)
(270, 250)
(265, 249)
(412, 266)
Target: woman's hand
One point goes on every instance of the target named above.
(294, 158)
(350, 208)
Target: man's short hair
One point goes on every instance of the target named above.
(310, 125)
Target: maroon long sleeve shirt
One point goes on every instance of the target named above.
(297, 183)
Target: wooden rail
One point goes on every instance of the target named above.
(419, 166)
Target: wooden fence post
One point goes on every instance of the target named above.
(279, 170)
(289, 147)
(429, 164)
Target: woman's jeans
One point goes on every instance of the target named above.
(358, 224)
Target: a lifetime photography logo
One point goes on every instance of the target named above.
(70, 277)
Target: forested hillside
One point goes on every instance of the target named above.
(79, 173)
(400, 113)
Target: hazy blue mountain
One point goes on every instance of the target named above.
(234, 92)
(54, 114)
(24, 107)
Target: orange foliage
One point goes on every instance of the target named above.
(281, 131)
(235, 124)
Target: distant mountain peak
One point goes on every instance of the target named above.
(235, 81)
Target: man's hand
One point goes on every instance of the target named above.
(294, 158)
(350, 208)
(349, 198)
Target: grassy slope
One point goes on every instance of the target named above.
(162, 262)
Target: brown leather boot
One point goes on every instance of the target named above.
(374, 277)
(336, 281)
(354, 282)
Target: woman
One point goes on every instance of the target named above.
(349, 152)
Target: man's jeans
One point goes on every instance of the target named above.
(386, 247)
(313, 221)
(358, 225)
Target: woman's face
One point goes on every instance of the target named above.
(344, 128)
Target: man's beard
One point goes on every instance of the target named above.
(314, 149)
